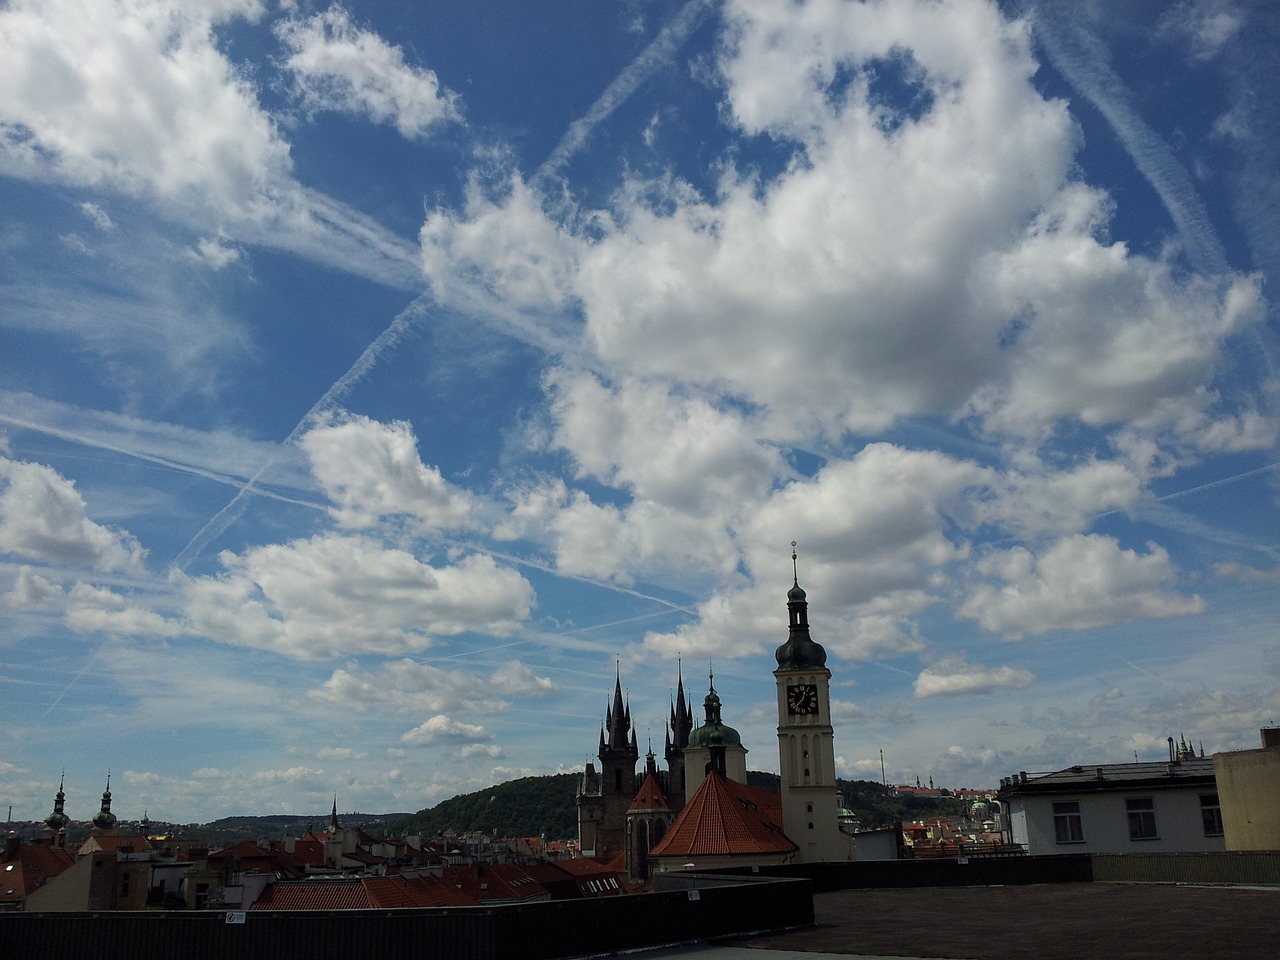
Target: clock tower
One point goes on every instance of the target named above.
(806, 752)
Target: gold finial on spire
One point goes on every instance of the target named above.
(795, 573)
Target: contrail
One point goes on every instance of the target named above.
(669, 39)
(1218, 483)
(1082, 60)
(390, 338)
(659, 51)
(168, 464)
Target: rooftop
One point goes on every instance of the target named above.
(1035, 922)
(1113, 774)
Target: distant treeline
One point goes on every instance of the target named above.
(545, 806)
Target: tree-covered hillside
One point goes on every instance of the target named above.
(528, 807)
(545, 806)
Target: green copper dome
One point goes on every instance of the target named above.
(713, 734)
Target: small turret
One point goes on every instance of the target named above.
(105, 820)
(57, 821)
(800, 652)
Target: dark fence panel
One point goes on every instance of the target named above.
(1252, 867)
(978, 871)
(536, 931)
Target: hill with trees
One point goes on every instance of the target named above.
(528, 807)
(545, 806)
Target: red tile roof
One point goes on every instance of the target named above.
(368, 893)
(29, 866)
(499, 881)
(726, 818)
(650, 796)
(585, 867)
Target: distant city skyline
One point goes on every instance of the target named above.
(377, 381)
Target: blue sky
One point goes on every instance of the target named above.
(376, 378)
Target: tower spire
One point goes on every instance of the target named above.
(105, 820)
(800, 652)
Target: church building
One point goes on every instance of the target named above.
(701, 809)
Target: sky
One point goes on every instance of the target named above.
(380, 381)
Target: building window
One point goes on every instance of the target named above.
(1067, 827)
(1211, 814)
(1142, 818)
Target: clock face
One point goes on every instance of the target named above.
(802, 698)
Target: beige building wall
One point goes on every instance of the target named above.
(696, 760)
(1249, 794)
(97, 881)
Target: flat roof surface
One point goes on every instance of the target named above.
(1038, 922)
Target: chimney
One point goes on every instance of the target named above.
(11, 844)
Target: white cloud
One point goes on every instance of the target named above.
(334, 595)
(341, 67)
(1208, 25)
(339, 753)
(101, 610)
(490, 751)
(1075, 583)
(407, 686)
(31, 590)
(97, 216)
(877, 534)
(953, 677)
(135, 95)
(441, 729)
(42, 518)
(681, 452)
(515, 679)
(503, 241)
(372, 470)
(215, 253)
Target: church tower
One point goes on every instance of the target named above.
(603, 798)
(104, 820)
(55, 830)
(806, 752)
(679, 726)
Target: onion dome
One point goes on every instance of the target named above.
(714, 733)
(800, 652)
(58, 819)
(105, 819)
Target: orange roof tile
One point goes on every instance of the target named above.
(650, 796)
(726, 818)
(367, 893)
(28, 867)
(585, 867)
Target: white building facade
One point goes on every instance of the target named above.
(1160, 807)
